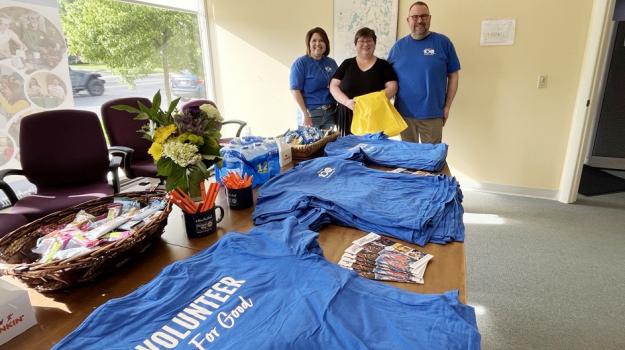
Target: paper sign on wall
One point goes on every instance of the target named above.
(498, 32)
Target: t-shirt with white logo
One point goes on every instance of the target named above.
(272, 289)
(422, 67)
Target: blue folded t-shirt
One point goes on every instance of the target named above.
(272, 289)
(417, 209)
(379, 149)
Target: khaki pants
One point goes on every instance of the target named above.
(428, 130)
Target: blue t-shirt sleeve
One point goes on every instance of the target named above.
(288, 234)
(297, 75)
(453, 63)
(332, 63)
(392, 55)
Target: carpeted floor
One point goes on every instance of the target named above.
(596, 182)
(547, 275)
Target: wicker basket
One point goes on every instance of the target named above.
(19, 261)
(313, 150)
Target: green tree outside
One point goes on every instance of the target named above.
(132, 40)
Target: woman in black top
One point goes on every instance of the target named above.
(360, 75)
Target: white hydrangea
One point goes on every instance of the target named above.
(182, 154)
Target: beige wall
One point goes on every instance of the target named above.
(502, 129)
(254, 44)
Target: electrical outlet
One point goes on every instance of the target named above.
(542, 81)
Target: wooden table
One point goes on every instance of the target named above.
(59, 313)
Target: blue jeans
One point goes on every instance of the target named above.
(324, 117)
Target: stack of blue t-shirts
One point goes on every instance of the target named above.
(379, 149)
(418, 209)
(272, 289)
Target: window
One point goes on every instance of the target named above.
(86, 52)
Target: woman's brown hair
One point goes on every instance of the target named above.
(365, 33)
(323, 35)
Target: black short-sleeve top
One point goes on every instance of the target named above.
(355, 82)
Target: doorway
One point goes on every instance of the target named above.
(607, 149)
(604, 171)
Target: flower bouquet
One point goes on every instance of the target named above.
(184, 145)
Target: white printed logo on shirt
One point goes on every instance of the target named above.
(365, 147)
(429, 52)
(326, 172)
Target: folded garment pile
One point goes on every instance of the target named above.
(273, 289)
(379, 149)
(417, 209)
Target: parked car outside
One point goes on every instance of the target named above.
(90, 81)
(187, 85)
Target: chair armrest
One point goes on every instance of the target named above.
(5, 186)
(126, 155)
(114, 164)
(241, 123)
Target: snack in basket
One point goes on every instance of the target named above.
(308, 142)
(74, 268)
(305, 135)
(87, 231)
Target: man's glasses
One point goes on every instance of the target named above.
(416, 17)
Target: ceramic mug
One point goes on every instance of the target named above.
(203, 224)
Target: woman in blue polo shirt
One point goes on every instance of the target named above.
(310, 80)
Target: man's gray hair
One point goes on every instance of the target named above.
(421, 3)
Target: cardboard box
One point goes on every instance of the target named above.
(16, 313)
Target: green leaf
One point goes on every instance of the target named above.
(156, 101)
(177, 177)
(213, 133)
(173, 105)
(141, 116)
(196, 175)
(202, 168)
(176, 181)
(144, 109)
(126, 108)
(165, 166)
(210, 147)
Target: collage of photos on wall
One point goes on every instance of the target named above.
(33, 71)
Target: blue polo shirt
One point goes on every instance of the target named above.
(422, 67)
(272, 289)
(312, 78)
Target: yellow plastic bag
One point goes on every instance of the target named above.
(373, 113)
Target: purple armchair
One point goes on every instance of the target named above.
(64, 153)
(196, 103)
(121, 129)
(10, 222)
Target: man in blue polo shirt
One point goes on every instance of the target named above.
(427, 69)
